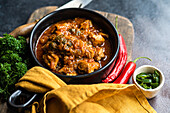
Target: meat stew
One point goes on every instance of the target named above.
(73, 47)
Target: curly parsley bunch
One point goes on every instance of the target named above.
(13, 62)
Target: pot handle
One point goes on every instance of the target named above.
(15, 96)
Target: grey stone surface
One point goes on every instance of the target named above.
(150, 18)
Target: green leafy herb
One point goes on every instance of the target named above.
(14, 62)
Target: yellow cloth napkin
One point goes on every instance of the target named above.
(95, 98)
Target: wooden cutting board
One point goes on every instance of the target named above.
(125, 27)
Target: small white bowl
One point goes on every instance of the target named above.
(149, 93)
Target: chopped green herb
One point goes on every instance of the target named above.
(72, 30)
(64, 41)
(69, 43)
(78, 33)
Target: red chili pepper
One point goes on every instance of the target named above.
(121, 60)
(128, 71)
(120, 63)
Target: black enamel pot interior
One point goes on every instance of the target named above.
(70, 13)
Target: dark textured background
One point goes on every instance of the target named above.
(150, 18)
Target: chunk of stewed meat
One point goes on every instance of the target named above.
(51, 60)
(87, 67)
(96, 39)
(67, 71)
